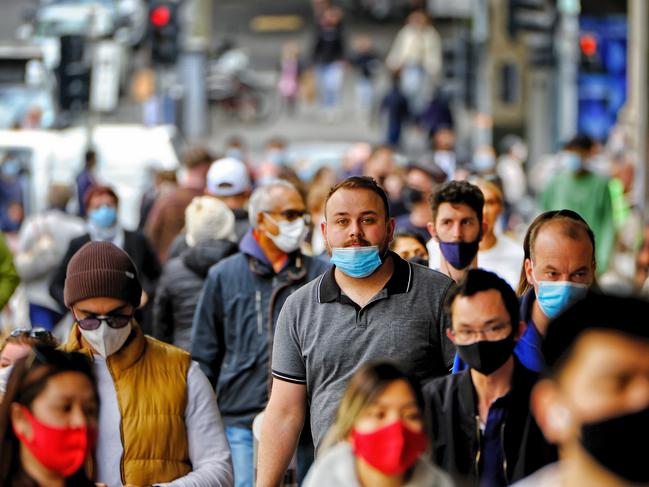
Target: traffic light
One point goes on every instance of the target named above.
(537, 20)
(165, 30)
(73, 74)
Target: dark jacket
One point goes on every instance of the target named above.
(179, 288)
(136, 245)
(234, 324)
(453, 424)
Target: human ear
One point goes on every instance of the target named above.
(552, 415)
(19, 421)
(528, 271)
(431, 229)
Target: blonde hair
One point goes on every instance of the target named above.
(365, 386)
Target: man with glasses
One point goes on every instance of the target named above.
(159, 421)
(479, 418)
(235, 317)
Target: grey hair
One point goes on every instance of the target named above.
(261, 201)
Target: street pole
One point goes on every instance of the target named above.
(193, 60)
(568, 53)
(638, 102)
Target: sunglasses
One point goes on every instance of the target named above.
(93, 322)
(31, 333)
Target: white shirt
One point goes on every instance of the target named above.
(209, 451)
(505, 259)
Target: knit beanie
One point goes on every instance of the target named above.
(208, 218)
(101, 269)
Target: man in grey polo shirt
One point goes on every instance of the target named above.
(371, 305)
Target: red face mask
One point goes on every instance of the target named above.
(392, 449)
(60, 450)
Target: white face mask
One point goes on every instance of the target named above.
(106, 340)
(5, 372)
(291, 234)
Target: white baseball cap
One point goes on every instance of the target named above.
(227, 177)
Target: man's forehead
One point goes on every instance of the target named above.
(449, 210)
(479, 308)
(284, 196)
(355, 201)
(553, 244)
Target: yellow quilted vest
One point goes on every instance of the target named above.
(151, 384)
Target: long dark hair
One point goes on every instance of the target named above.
(28, 379)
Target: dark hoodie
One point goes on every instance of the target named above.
(180, 287)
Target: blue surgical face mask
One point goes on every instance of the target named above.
(483, 162)
(356, 262)
(104, 216)
(554, 297)
(571, 161)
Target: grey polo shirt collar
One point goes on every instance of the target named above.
(329, 291)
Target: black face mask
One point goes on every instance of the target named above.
(411, 196)
(614, 444)
(419, 260)
(486, 357)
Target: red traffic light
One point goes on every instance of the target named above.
(588, 44)
(160, 16)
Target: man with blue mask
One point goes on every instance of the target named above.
(372, 304)
(232, 331)
(559, 268)
(457, 227)
(103, 226)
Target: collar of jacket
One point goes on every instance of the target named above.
(124, 358)
(260, 265)
(522, 382)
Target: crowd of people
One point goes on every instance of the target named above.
(379, 325)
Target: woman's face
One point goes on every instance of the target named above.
(67, 401)
(396, 403)
(12, 353)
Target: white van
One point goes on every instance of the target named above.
(127, 156)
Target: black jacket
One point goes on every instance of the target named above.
(453, 424)
(234, 325)
(136, 245)
(179, 288)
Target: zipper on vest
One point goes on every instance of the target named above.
(260, 319)
(122, 473)
(502, 447)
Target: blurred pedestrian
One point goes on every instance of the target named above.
(237, 310)
(164, 183)
(594, 400)
(483, 162)
(510, 169)
(417, 54)
(209, 234)
(395, 104)
(86, 179)
(457, 228)
(497, 252)
(415, 195)
(366, 62)
(479, 418)
(558, 269)
(371, 298)
(411, 247)
(228, 180)
(641, 278)
(328, 58)
(378, 436)
(580, 189)
(103, 226)
(167, 217)
(42, 243)
(443, 145)
(290, 69)
(159, 420)
(48, 421)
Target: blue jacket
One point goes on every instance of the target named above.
(234, 322)
(528, 348)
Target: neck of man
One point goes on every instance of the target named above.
(38, 472)
(576, 467)
(488, 241)
(541, 321)
(368, 476)
(361, 290)
(456, 274)
(490, 387)
(276, 256)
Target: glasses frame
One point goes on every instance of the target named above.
(92, 322)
